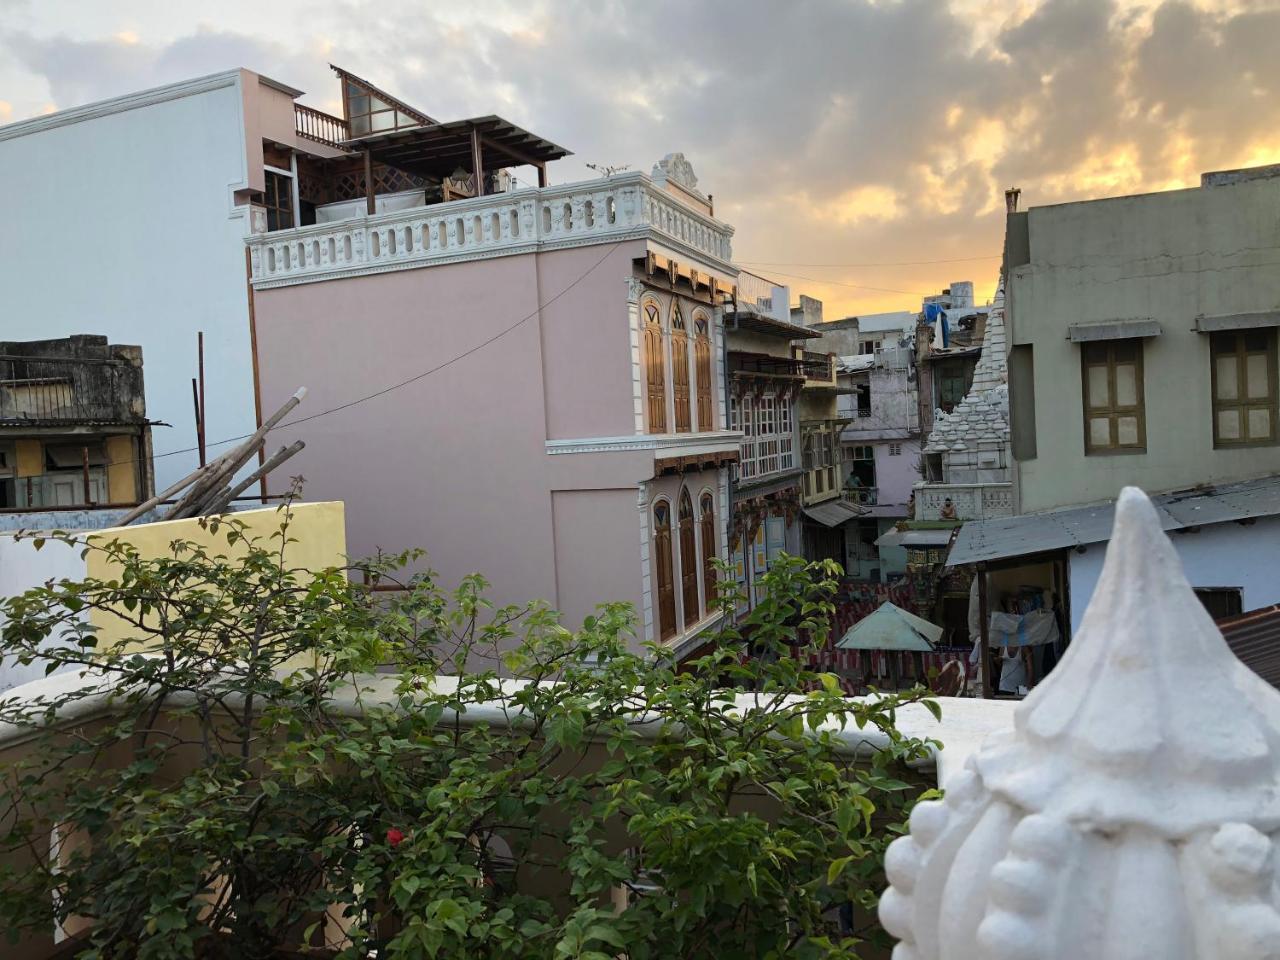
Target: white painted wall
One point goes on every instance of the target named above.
(1221, 555)
(22, 567)
(122, 222)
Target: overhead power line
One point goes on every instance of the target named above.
(403, 383)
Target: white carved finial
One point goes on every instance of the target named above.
(1133, 809)
(677, 169)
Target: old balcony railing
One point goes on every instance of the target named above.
(766, 364)
(57, 390)
(862, 496)
(319, 126)
(621, 207)
(819, 369)
(963, 501)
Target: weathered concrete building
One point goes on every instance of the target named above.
(1143, 340)
(74, 436)
(1143, 351)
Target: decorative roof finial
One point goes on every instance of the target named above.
(1133, 809)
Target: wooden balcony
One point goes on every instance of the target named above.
(320, 127)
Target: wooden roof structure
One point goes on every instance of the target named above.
(438, 149)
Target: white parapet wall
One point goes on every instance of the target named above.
(621, 207)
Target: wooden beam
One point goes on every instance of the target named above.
(371, 205)
(542, 175)
(477, 162)
(984, 631)
(514, 154)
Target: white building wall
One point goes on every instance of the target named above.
(1220, 555)
(23, 567)
(120, 220)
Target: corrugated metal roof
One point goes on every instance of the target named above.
(998, 539)
(915, 538)
(1254, 637)
(833, 513)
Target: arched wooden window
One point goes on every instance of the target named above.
(688, 561)
(702, 364)
(708, 520)
(666, 575)
(655, 365)
(680, 369)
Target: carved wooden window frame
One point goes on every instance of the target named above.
(707, 519)
(702, 363)
(664, 569)
(655, 365)
(688, 560)
(680, 392)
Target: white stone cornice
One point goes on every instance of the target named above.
(132, 101)
(662, 444)
(612, 210)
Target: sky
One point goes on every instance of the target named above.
(861, 148)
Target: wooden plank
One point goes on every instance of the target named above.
(984, 661)
(477, 162)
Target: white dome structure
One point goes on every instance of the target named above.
(1132, 811)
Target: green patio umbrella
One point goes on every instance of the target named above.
(891, 628)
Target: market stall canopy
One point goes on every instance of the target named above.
(891, 628)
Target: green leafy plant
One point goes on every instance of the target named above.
(354, 763)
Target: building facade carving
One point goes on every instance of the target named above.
(1131, 811)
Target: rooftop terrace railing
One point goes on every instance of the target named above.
(616, 208)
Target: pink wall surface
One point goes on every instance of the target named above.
(586, 575)
(456, 462)
(586, 341)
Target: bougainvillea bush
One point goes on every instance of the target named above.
(291, 762)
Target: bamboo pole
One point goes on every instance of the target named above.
(219, 475)
(146, 505)
(220, 503)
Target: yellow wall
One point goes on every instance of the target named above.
(30, 456)
(318, 528)
(122, 484)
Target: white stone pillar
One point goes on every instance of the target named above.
(1130, 813)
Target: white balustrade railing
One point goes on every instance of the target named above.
(619, 207)
(963, 501)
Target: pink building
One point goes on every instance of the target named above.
(525, 382)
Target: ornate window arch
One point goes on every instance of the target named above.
(680, 368)
(702, 366)
(655, 365)
(664, 568)
(688, 560)
(707, 519)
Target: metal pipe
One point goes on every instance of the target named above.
(84, 453)
(200, 424)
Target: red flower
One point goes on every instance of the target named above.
(394, 837)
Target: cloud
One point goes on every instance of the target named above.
(834, 131)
